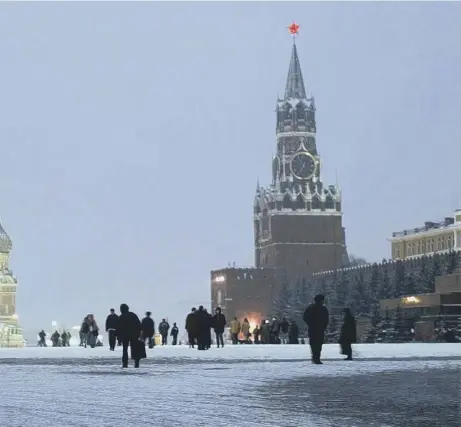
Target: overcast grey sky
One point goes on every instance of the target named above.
(132, 135)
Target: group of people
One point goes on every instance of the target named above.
(129, 331)
(316, 317)
(57, 339)
(269, 332)
(199, 324)
(147, 327)
(89, 332)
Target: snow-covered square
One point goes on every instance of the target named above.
(244, 385)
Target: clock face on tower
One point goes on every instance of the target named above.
(302, 165)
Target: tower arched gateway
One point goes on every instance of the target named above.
(297, 219)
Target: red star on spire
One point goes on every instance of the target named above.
(293, 29)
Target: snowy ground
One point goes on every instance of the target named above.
(242, 386)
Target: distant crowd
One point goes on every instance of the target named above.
(128, 331)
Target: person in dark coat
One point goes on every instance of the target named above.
(348, 334)
(163, 329)
(174, 333)
(191, 327)
(148, 329)
(92, 336)
(129, 331)
(265, 332)
(316, 317)
(203, 326)
(84, 328)
(111, 328)
(55, 339)
(42, 336)
(219, 323)
(256, 335)
(293, 333)
(208, 330)
(64, 339)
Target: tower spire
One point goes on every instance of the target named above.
(294, 87)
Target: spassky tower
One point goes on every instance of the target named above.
(297, 218)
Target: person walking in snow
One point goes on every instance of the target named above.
(42, 338)
(148, 329)
(163, 329)
(174, 333)
(235, 330)
(191, 327)
(111, 328)
(130, 333)
(246, 330)
(93, 331)
(348, 334)
(316, 317)
(219, 323)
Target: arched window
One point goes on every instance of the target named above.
(287, 202)
(329, 203)
(265, 221)
(300, 203)
(300, 113)
(316, 205)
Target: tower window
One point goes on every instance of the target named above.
(315, 203)
(431, 245)
(287, 202)
(300, 203)
(329, 204)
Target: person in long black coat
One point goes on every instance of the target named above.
(111, 328)
(348, 334)
(191, 327)
(203, 328)
(293, 333)
(129, 330)
(219, 323)
(316, 317)
(208, 330)
(148, 329)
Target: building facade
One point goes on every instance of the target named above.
(244, 292)
(433, 237)
(444, 302)
(297, 219)
(10, 332)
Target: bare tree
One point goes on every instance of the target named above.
(355, 261)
